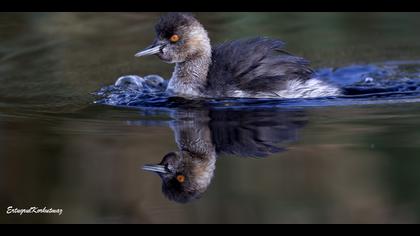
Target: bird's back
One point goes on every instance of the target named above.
(253, 67)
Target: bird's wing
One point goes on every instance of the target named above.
(255, 64)
(254, 132)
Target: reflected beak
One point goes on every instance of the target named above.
(151, 50)
(156, 169)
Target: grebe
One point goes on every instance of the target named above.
(247, 68)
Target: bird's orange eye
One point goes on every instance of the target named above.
(180, 178)
(174, 38)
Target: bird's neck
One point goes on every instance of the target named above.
(189, 78)
(193, 135)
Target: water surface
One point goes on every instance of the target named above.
(330, 160)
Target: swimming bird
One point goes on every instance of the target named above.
(257, 67)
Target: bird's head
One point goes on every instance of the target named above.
(185, 175)
(179, 37)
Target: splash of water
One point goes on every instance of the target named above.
(389, 82)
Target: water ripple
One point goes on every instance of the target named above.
(387, 82)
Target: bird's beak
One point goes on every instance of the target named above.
(151, 50)
(156, 169)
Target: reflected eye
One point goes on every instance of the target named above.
(174, 38)
(180, 178)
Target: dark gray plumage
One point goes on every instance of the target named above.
(255, 65)
(255, 133)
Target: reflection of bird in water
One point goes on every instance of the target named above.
(202, 134)
(252, 68)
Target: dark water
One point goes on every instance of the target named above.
(329, 160)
